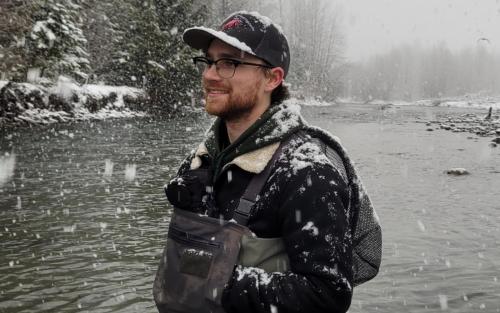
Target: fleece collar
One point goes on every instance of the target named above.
(253, 162)
(274, 126)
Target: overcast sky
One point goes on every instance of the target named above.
(374, 26)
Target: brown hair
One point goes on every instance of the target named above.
(279, 94)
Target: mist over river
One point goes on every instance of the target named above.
(83, 218)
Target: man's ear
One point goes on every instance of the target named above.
(275, 77)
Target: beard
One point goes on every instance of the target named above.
(233, 106)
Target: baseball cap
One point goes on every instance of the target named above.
(248, 31)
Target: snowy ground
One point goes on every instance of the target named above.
(97, 102)
(44, 116)
(86, 102)
(467, 101)
(309, 102)
(66, 88)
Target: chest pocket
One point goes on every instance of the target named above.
(197, 262)
(266, 253)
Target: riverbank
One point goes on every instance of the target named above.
(468, 101)
(481, 125)
(475, 113)
(24, 104)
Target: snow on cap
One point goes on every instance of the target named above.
(249, 32)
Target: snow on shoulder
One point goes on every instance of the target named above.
(307, 154)
(287, 118)
(303, 153)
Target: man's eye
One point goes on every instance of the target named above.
(227, 63)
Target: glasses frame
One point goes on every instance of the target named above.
(234, 62)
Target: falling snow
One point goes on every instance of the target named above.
(421, 225)
(443, 302)
(130, 171)
(108, 168)
(7, 167)
(67, 201)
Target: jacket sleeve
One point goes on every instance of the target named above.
(317, 236)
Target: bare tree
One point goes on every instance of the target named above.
(411, 72)
(316, 45)
(315, 40)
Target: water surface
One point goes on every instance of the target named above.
(83, 216)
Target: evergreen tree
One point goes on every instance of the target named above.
(150, 52)
(56, 43)
(179, 82)
(136, 31)
(99, 30)
(15, 23)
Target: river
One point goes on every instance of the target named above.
(83, 217)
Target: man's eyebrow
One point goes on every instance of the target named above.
(228, 55)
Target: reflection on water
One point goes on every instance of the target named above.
(83, 216)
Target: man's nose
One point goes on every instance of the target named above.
(210, 73)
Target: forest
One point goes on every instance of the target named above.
(411, 72)
(138, 43)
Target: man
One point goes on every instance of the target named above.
(304, 210)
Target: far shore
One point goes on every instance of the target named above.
(24, 104)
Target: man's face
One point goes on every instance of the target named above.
(235, 97)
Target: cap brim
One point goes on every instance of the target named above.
(201, 37)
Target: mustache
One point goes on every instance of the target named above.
(206, 86)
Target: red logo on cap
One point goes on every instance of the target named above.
(231, 24)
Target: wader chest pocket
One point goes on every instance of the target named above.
(197, 263)
(195, 254)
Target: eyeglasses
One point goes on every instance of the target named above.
(224, 67)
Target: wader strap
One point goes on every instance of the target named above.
(244, 209)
